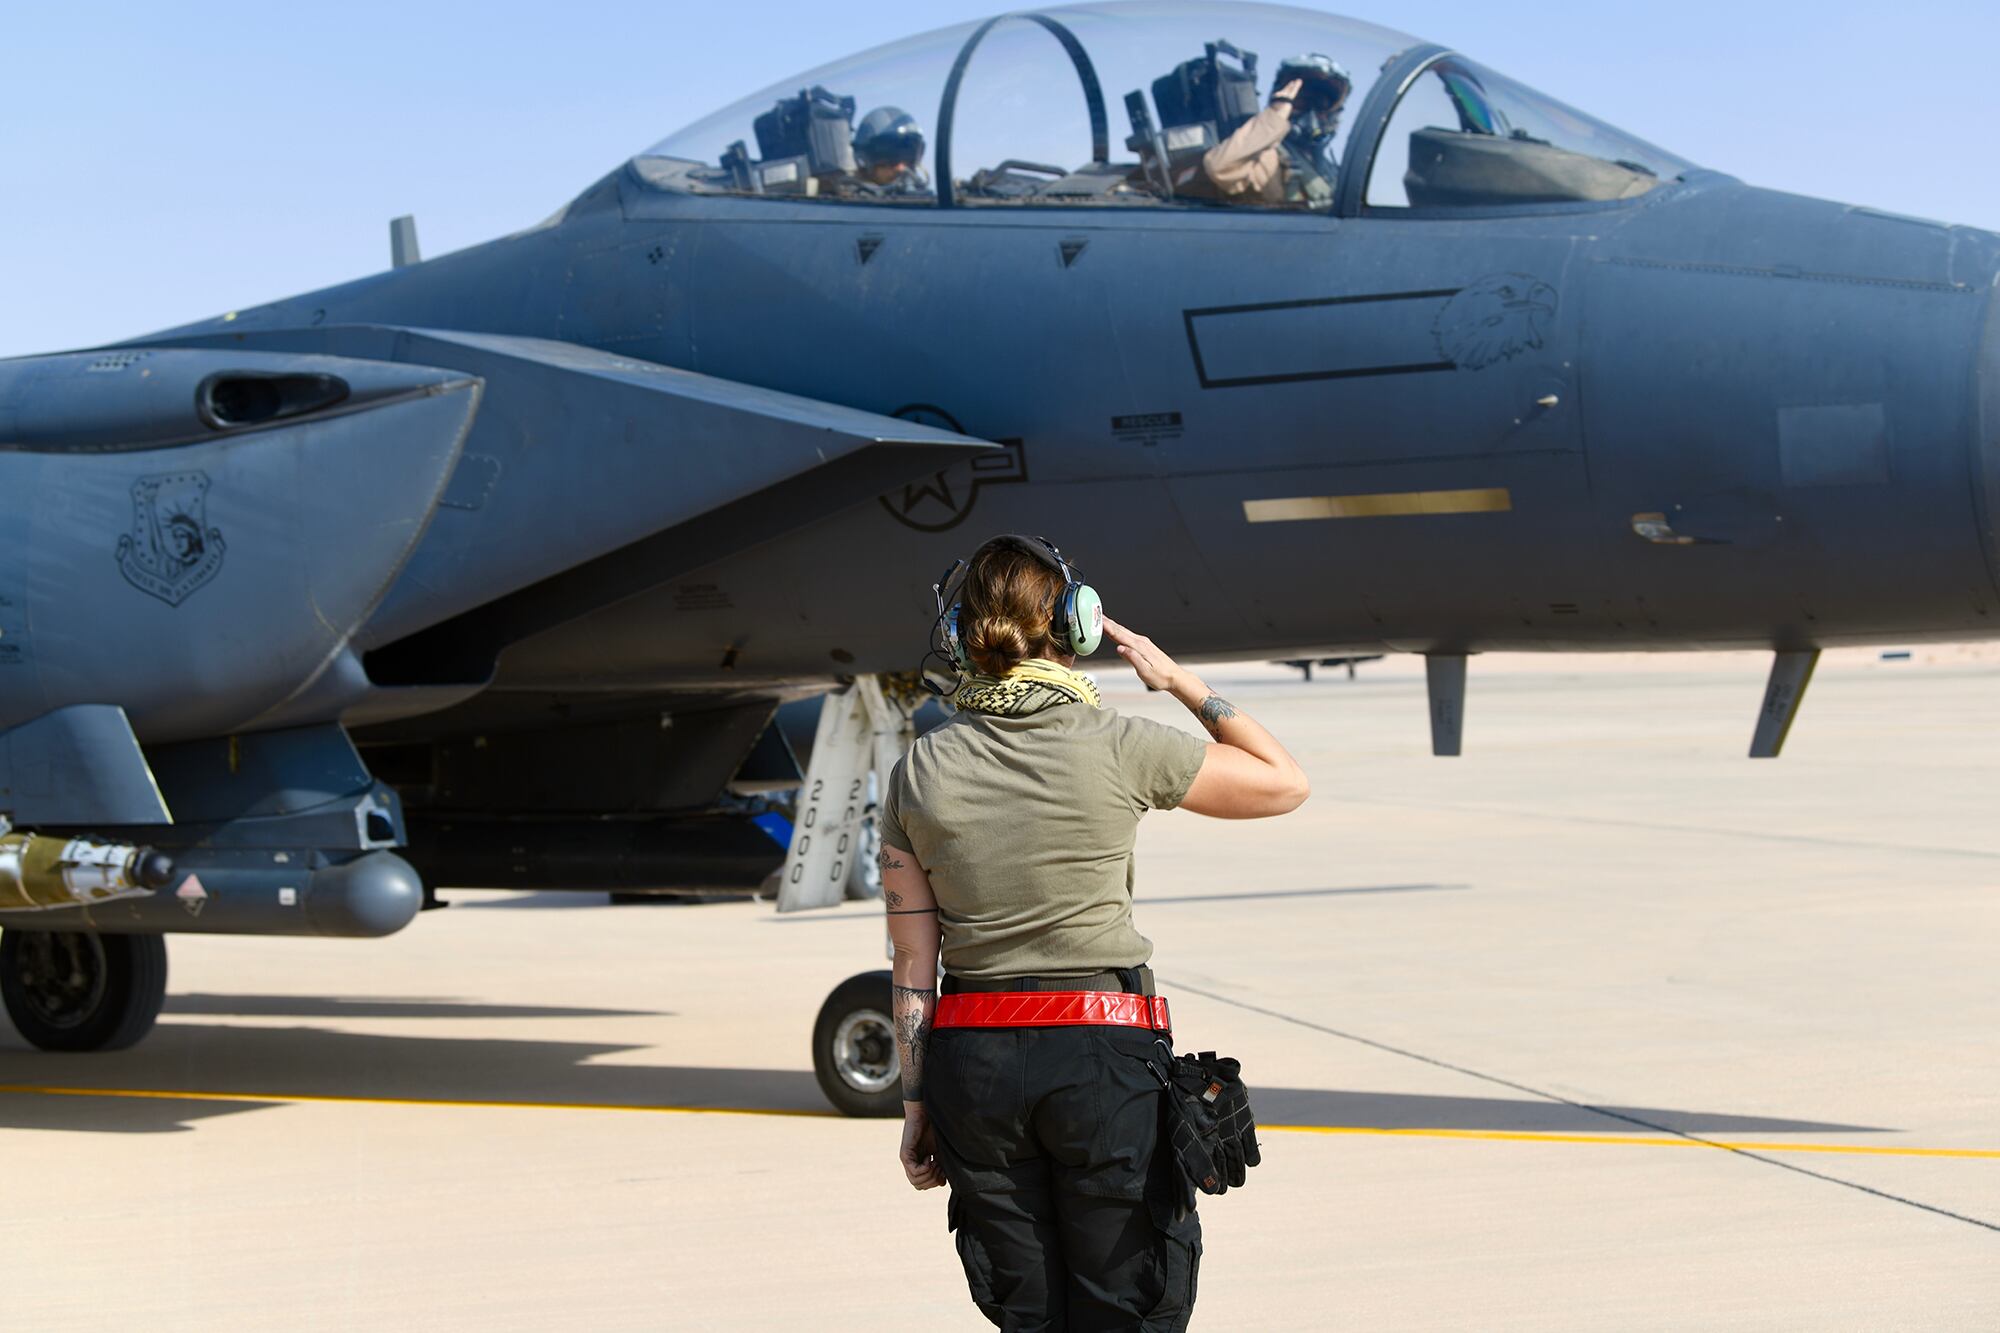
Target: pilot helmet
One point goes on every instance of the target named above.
(1323, 91)
(888, 135)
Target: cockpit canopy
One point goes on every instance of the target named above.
(1150, 104)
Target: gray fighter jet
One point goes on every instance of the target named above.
(494, 568)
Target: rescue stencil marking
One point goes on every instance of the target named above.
(1147, 427)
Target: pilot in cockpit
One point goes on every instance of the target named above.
(888, 146)
(1284, 154)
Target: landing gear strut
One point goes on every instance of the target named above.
(854, 1048)
(72, 990)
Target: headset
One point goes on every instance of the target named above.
(1077, 616)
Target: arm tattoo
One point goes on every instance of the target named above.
(894, 900)
(913, 1009)
(1214, 711)
(888, 860)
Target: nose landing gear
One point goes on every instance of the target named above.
(854, 1048)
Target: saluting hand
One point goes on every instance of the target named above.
(1155, 668)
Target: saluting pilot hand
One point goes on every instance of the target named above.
(1155, 668)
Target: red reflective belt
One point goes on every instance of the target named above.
(1046, 1009)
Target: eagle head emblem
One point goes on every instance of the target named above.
(1496, 318)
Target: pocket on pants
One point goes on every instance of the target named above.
(1179, 1256)
(1125, 1139)
(972, 1257)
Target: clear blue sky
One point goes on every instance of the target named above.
(164, 161)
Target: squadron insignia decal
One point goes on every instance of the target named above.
(944, 499)
(1494, 319)
(171, 550)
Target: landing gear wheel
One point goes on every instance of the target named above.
(71, 990)
(854, 1048)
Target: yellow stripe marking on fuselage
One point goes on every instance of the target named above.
(1391, 504)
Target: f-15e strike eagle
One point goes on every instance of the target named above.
(494, 568)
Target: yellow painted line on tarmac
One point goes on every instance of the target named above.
(1489, 1135)
(1640, 1141)
(181, 1095)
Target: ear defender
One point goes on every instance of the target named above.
(1083, 618)
(1079, 609)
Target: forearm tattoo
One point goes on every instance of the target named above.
(912, 1009)
(1214, 711)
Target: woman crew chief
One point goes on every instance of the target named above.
(1007, 839)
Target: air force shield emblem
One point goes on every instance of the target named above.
(171, 551)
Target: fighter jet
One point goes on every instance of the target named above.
(1305, 338)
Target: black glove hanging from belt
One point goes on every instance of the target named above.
(1213, 1134)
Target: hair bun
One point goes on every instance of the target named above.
(996, 644)
(1009, 598)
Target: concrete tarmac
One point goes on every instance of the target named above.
(1602, 1025)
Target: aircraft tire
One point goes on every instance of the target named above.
(74, 990)
(854, 1048)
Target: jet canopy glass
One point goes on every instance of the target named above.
(1462, 136)
(1147, 104)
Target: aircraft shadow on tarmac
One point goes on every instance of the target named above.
(329, 1006)
(1401, 1110)
(308, 1062)
(545, 899)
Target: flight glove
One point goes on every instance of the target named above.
(1212, 1132)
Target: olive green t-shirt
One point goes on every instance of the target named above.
(1026, 825)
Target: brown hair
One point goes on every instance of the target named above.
(1007, 603)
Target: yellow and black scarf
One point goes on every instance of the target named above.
(1029, 688)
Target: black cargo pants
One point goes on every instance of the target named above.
(1059, 1200)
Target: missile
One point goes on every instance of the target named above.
(81, 885)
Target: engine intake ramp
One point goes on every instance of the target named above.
(589, 477)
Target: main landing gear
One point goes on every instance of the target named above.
(862, 731)
(854, 1048)
(73, 990)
